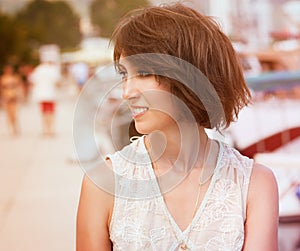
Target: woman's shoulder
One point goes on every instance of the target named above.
(262, 179)
(262, 206)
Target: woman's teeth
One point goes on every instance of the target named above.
(136, 111)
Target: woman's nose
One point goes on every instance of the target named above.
(130, 89)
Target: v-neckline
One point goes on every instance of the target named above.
(175, 226)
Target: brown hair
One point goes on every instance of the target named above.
(182, 32)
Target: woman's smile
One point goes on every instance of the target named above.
(138, 111)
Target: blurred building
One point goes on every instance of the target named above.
(93, 51)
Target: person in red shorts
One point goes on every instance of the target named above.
(45, 78)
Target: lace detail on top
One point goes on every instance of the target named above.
(139, 220)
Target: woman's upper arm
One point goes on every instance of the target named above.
(93, 218)
(261, 226)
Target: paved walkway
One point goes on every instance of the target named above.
(39, 187)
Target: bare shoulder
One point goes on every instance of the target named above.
(101, 176)
(262, 177)
(95, 208)
(261, 225)
(98, 187)
(263, 186)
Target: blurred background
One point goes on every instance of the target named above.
(40, 170)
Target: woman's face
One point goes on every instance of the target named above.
(151, 103)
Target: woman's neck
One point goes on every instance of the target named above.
(181, 147)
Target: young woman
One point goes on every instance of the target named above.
(174, 188)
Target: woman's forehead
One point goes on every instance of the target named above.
(132, 62)
(123, 62)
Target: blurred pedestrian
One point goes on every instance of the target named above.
(45, 79)
(68, 86)
(11, 94)
(175, 188)
(80, 72)
(24, 70)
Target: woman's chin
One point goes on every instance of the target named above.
(143, 129)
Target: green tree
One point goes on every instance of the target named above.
(106, 13)
(50, 22)
(13, 48)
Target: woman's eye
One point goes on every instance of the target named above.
(123, 74)
(143, 74)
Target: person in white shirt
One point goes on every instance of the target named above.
(45, 78)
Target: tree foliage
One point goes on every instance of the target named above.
(13, 46)
(106, 13)
(50, 22)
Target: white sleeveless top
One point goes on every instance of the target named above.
(141, 221)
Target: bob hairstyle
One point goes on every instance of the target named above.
(183, 33)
